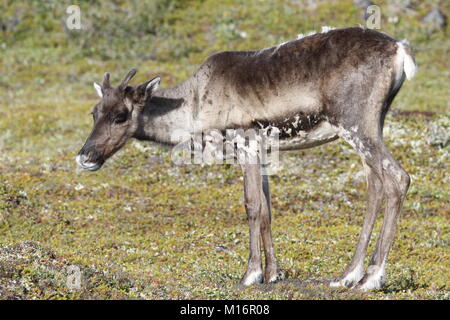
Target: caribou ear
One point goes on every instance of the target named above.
(145, 90)
(153, 85)
(99, 89)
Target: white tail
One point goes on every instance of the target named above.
(409, 66)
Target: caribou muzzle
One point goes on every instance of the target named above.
(87, 162)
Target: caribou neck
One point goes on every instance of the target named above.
(168, 115)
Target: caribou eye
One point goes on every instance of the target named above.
(121, 118)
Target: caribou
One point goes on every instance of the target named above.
(337, 83)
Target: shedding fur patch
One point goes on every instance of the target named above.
(303, 35)
(310, 33)
(299, 36)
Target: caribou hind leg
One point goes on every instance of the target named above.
(355, 269)
(362, 128)
(387, 179)
(396, 183)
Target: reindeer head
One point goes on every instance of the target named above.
(115, 119)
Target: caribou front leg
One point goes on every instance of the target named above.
(253, 205)
(272, 272)
(257, 204)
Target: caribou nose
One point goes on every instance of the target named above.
(83, 162)
(80, 159)
(86, 164)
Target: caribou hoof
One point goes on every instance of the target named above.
(252, 277)
(349, 279)
(274, 275)
(341, 282)
(373, 279)
(369, 283)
